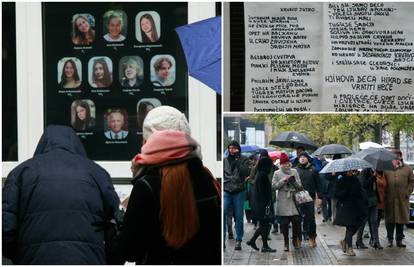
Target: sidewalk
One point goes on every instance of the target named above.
(327, 252)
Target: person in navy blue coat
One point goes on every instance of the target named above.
(52, 201)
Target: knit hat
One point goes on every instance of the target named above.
(284, 158)
(165, 118)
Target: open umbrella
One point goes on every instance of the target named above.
(380, 158)
(332, 149)
(346, 164)
(369, 144)
(293, 140)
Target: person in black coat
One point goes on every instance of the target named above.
(170, 197)
(369, 184)
(263, 204)
(52, 202)
(351, 207)
(310, 182)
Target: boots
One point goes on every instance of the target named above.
(390, 243)
(312, 242)
(350, 252)
(343, 245)
(360, 245)
(252, 244)
(400, 244)
(297, 243)
(286, 239)
(268, 249)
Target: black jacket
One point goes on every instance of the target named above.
(141, 239)
(352, 205)
(262, 188)
(236, 169)
(369, 184)
(51, 201)
(309, 178)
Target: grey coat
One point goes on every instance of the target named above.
(285, 196)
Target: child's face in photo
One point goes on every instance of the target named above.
(164, 71)
(99, 71)
(114, 27)
(130, 72)
(146, 25)
(82, 24)
(69, 70)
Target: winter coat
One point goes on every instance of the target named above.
(285, 196)
(262, 189)
(309, 178)
(369, 185)
(332, 184)
(400, 183)
(236, 169)
(51, 201)
(352, 206)
(381, 186)
(141, 240)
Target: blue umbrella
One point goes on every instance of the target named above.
(201, 42)
(346, 164)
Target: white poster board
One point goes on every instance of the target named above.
(329, 57)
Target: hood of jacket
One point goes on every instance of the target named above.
(60, 137)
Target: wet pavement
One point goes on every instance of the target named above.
(327, 252)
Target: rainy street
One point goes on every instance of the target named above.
(327, 252)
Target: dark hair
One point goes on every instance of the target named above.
(79, 124)
(158, 63)
(63, 76)
(107, 81)
(154, 34)
(78, 37)
(142, 112)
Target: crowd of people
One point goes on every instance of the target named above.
(349, 199)
(61, 207)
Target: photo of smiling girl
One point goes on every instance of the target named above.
(100, 72)
(69, 72)
(115, 25)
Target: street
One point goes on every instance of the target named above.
(327, 252)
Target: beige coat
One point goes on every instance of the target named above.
(400, 184)
(285, 203)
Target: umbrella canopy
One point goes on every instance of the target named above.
(275, 154)
(293, 140)
(369, 144)
(332, 149)
(346, 164)
(380, 158)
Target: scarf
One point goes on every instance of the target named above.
(165, 148)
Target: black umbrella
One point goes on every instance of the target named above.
(332, 149)
(380, 158)
(293, 140)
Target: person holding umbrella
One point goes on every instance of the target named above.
(400, 184)
(352, 204)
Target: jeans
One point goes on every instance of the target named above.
(237, 201)
(308, 219)
(399, 231)
(361, 231)
(326, 208)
